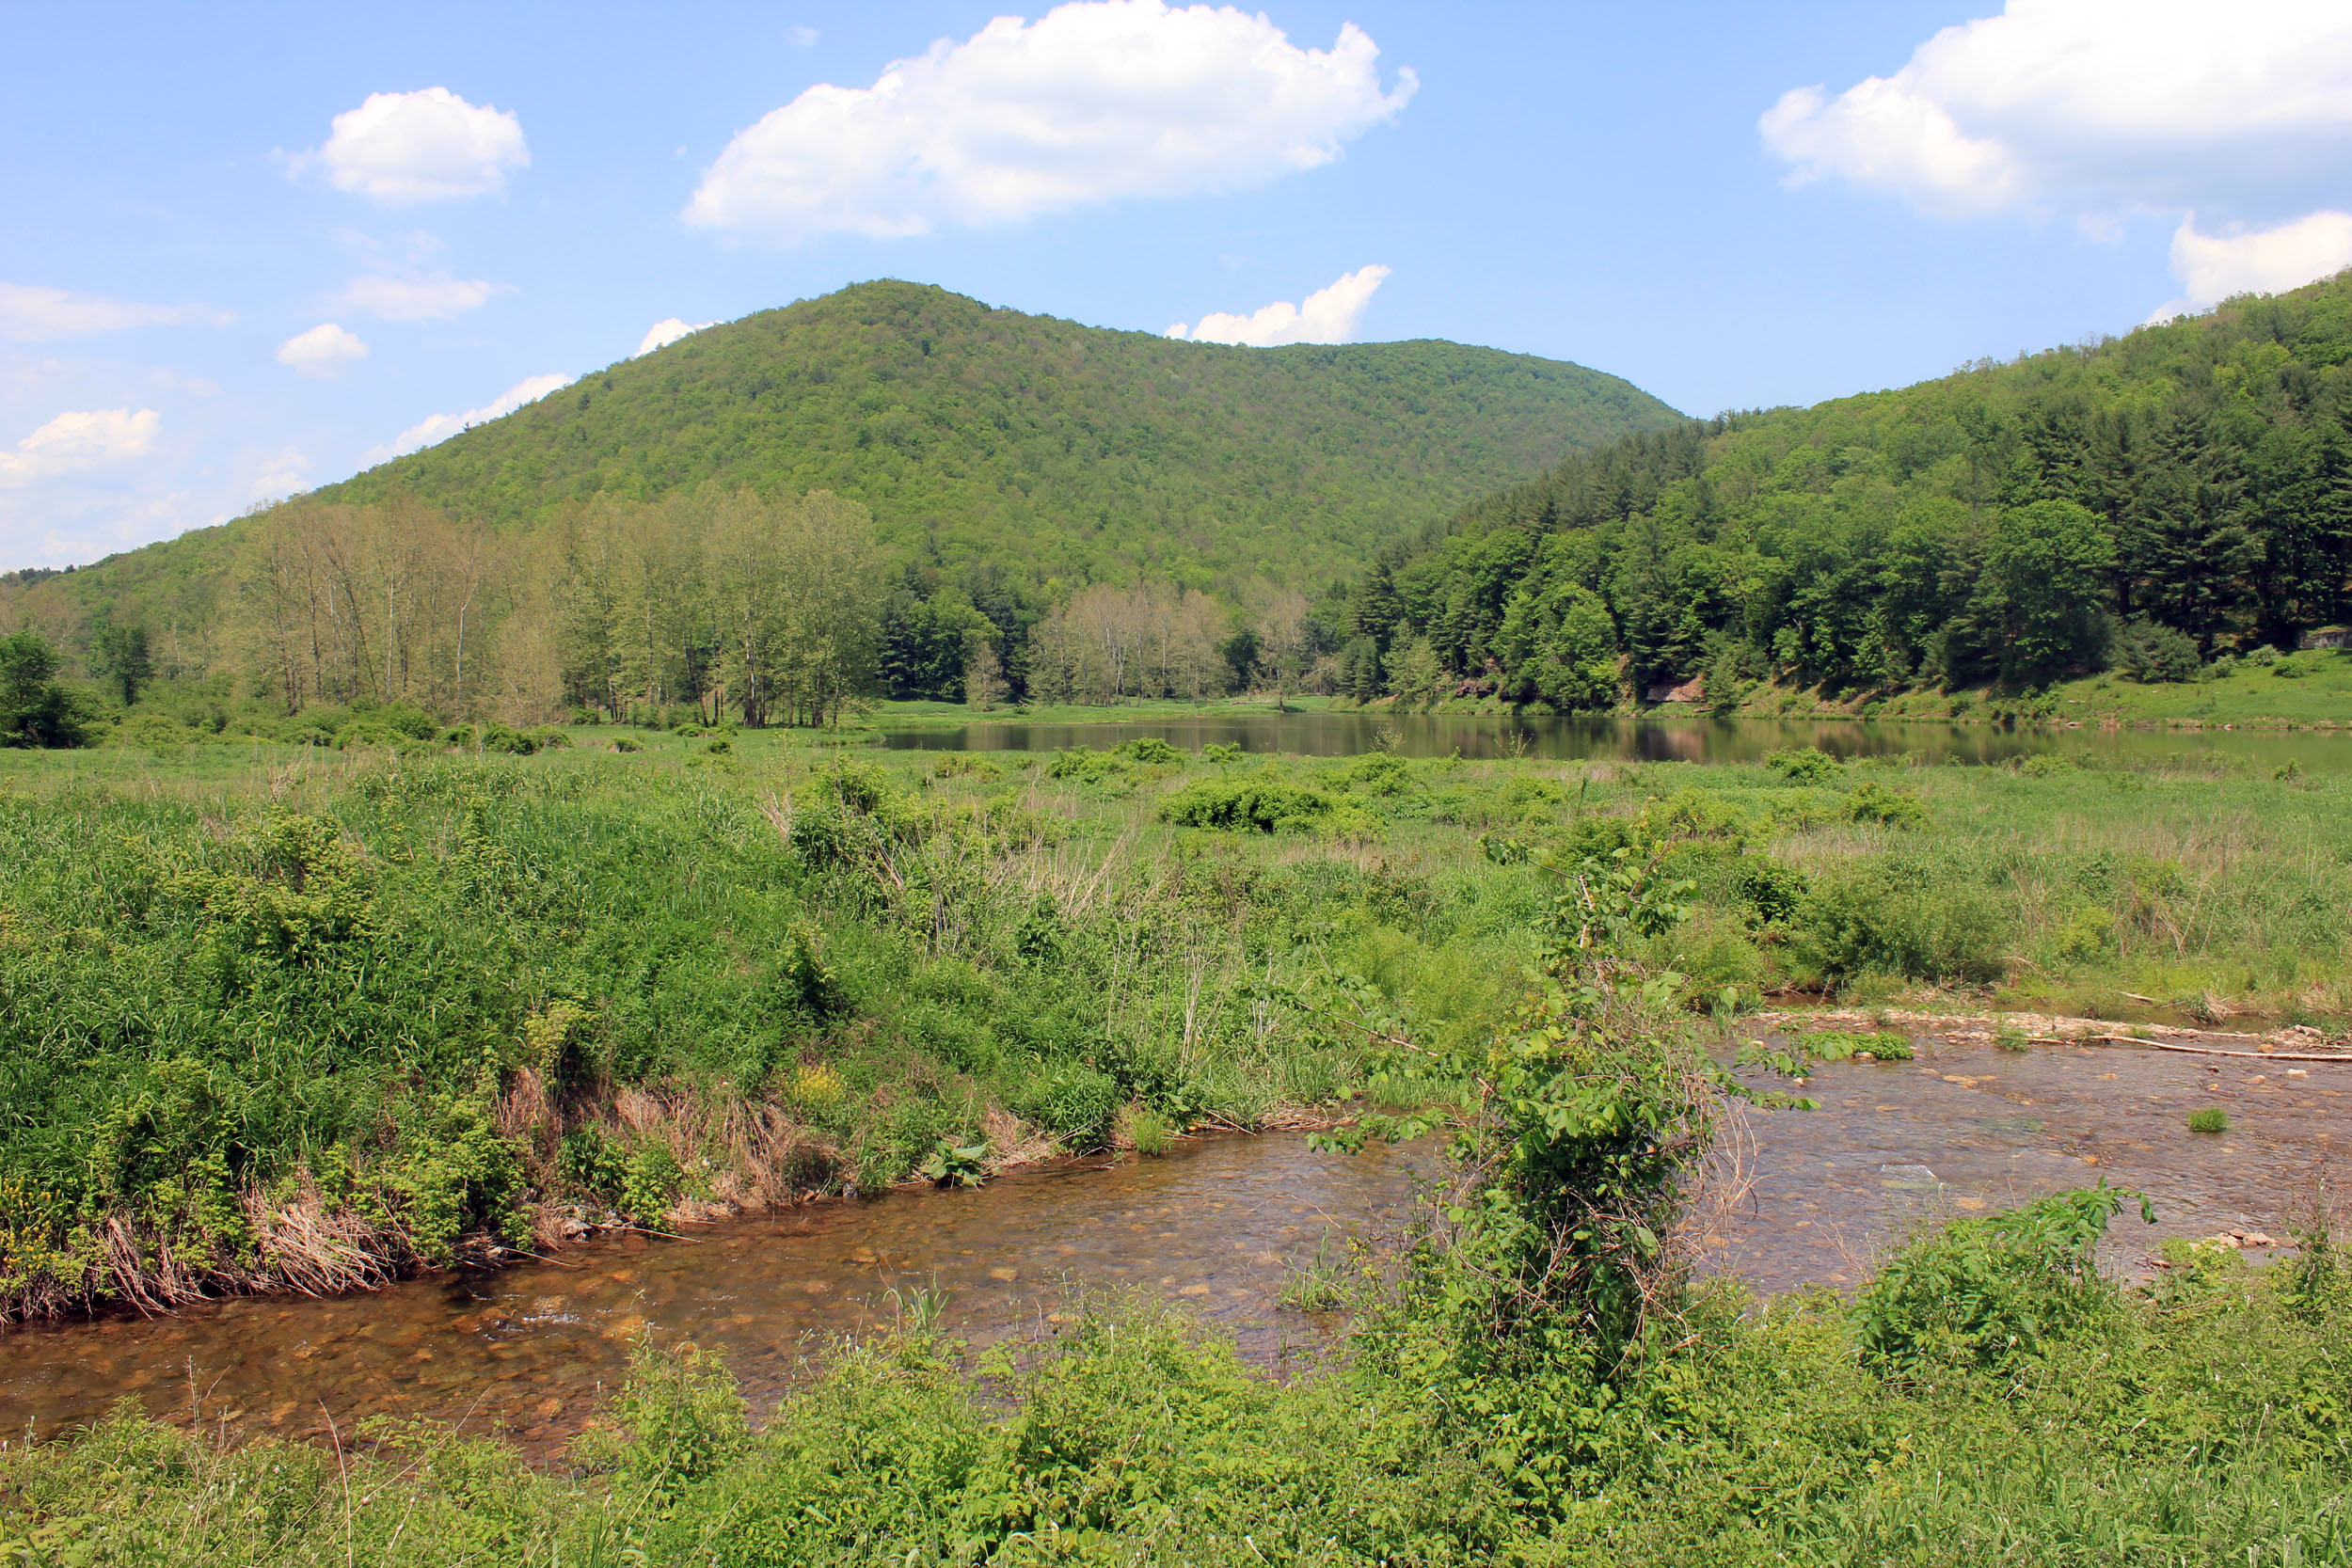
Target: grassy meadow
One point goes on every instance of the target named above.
(273, 1014)
(280, 1015)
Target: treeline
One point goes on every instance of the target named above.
(2152, 500)
(718, 605)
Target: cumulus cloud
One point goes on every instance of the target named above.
(661, 334)
(1093, 101)
(400, 148)
(2212, 267)
(440, 427)
(274, 475)
(1329, 315)
(32, 314)
(77, 441)
(435, 298)
(326, 351)
(2096, 108)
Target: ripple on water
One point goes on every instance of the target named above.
(1219, 1225)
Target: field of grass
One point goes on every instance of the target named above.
(272, 1013)
(273, 1010)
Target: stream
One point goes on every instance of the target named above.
(1221, 1227)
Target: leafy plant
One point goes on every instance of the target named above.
(951, 1164)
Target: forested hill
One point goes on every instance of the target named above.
(978, 434)
(2181, 493)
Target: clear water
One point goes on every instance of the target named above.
(1221, 1227)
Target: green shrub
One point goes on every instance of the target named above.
(1986, 1293)
(1872, 801)
(1804, 765)
(2209, 1118)
(1086, 764)
(679, 1418)
(1261, 804)
(2153, 654)
(1772, 890)
(1077, 1104)
(1901, 918)
(1151, 752)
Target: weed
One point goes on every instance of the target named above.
(2209, 1118)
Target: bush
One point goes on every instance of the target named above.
(1894, 808)
(1805, 764)
(1772, 890)
(1901, 918)
(1247, 805)
(2209, 1118)
(2153, 654)
(34, 710)
(1086, 764)
(1150, 750)
(1077, 1104)
(1986, 1293)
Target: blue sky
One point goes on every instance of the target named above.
(197, 247)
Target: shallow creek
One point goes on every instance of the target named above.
(1221, 1225)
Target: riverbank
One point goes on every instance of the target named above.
(2198, 1422)
(280, 1017)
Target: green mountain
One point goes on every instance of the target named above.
(2182, 494)
(1007, 460)
(978, 434)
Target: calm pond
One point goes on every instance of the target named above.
(1560, 738)
(1220, 1228)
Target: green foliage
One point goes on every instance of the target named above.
(1805, 764)
(2209, 1118)
(679, 1418)
(1259, 804)
(1152, 1133)
(1900, 918)
(34, 710)
(951, 1164)
(1076, 1102)
(1871, 802)
(2192, 482)
(1983, 1294)
(971, 432)
(2153, 654)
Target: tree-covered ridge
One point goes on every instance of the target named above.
(2177, 493)
(978, 434)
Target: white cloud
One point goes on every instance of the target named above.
(2212, 267)
(32, 314)
(399, 148)
(661, 334)
(440, 427)
(435, 298)
(325, 351)
(2095, 107)
(1093, 101)
(77, 442)
(800, 36)
(1329, 315)
(271, 476)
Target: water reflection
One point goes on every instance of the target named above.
(1562, 738)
